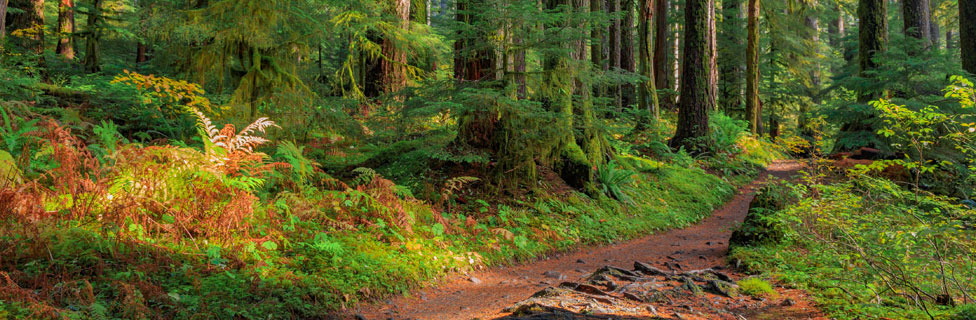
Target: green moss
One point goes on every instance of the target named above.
(758, 288)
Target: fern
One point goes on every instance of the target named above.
(616, 183)
(302, 167)
(364, 176)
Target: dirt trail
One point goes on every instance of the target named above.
(700, 246)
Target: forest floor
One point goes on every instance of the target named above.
(491, 293)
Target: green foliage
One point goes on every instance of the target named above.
(13, 131)
(616, 182)
(965, 312)
(872, 248)
(756, 287)
(763, 224)
(726, 133)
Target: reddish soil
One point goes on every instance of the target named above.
(704, 245)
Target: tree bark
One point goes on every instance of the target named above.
(675, 60)
(613, 38)
(627, 62)
(872, 37)
(93, 38)
(803, 121)
(3, 18)
(394, 65)
(596, 36)
(731, 56)
(712, 56)
(934, 31)
(753, 111)
(948, 40)
(967, 34)
(661, 35)
(916, 16)
(647, 93)
(66, 29)
(141, 52)
(692, 127)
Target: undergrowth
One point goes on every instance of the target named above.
(96, 225)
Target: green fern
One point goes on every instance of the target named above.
(363, 176)
(302, 168)
(616, 183)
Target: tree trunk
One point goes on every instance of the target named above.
(93, 38)
(661, 35)
(948, 40)
(967, 34)
(916, 15)
(753, 111)
(66, 29)
(647, 93)
(627, 62)
(675, 61)
(613, 35)
(692, 127)
(141, 50)
(872, 37)
(393, 67)
(32, 18)
(934, 32)
(3, 18)
(731, 56)
(577, 170)
(596, 36)
(803, 120)
(712, 56)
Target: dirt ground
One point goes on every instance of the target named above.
(485, 294)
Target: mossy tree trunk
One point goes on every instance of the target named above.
(753, 106)
(647, 91)
(474, 63)
(967, 34)
(93, 38)
(692, 127)
(573, 157)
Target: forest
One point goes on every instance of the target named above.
(448, 159)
